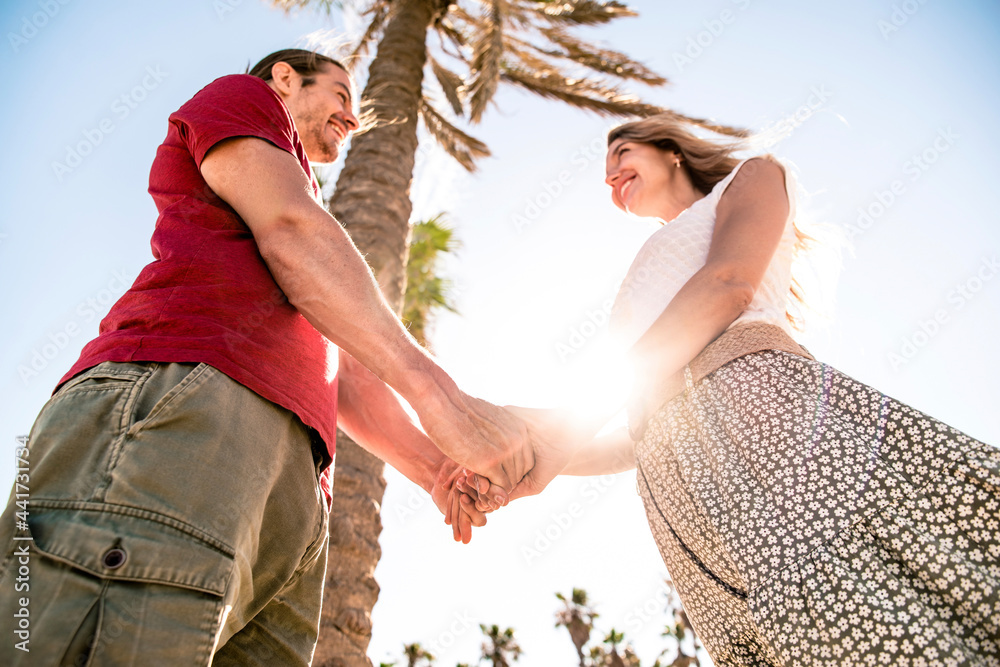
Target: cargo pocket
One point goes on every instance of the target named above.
(107, 375)
(155, 586)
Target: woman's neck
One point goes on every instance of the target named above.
(678, 198)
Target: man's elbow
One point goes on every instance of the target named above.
(283, 239)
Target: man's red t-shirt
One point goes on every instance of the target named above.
(208, 296)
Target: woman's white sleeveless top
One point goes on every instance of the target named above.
(676, 251)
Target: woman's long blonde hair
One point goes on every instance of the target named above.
(707, 162)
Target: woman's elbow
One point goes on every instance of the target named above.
(741, 296)
(733, 291)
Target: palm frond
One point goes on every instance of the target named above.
(581, 93)
(598, 97)
(448, 29)
(379, 12)
(458, 13)
(605, 61)
(485, 68)
(459, 145)
(326, 5)
(371, 114)
(524, 55)
(582, 12)
(451, 84)
(520, 15)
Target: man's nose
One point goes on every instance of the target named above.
(351, 120)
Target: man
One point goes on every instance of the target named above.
(179, 474)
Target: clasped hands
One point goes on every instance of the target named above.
(516, 453)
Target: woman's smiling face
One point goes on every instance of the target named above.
(639, 174)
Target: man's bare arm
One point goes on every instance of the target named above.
(324, 276)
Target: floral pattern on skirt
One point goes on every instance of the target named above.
(808, 519)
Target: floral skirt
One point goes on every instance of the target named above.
(808, 519)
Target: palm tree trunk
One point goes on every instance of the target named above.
(372, 195)
(350, 591)
(372, 202)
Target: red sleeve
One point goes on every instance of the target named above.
(238, 105)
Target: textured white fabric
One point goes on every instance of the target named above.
(676, 251)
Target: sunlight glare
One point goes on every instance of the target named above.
(599, 383)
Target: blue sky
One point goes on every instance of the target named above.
(891, 107)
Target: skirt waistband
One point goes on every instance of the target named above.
(731, 344)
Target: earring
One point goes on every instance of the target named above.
(677, 163)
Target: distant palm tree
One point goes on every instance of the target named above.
(613, 639)
(577, 616)
(500, 647)
(415, 653)
(470, 47)
(680, 630)
(601, 656)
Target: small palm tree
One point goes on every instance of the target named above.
(426, 289)
(577, 616)
(500, 648)
(613, 639)
(415, 654)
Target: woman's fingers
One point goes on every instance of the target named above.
(465, 528)
(449, 512)
(491, 497)
(477, 518)
(455, 509)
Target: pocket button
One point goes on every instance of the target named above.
(114, 558)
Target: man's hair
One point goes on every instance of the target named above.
(306, 63)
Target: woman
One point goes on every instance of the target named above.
(806, 518)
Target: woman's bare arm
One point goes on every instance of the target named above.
(604, 455)
(750, 219)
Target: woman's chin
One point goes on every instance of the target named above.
(640, 212)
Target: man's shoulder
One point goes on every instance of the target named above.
(235, 97)
(243, 85)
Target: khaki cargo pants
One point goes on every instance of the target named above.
(174, 518)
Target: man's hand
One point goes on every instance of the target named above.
(554, 438)
(483, 437)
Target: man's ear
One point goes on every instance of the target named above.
(285, 78)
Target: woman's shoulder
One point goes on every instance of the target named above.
(756, 172)
(756, 167)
